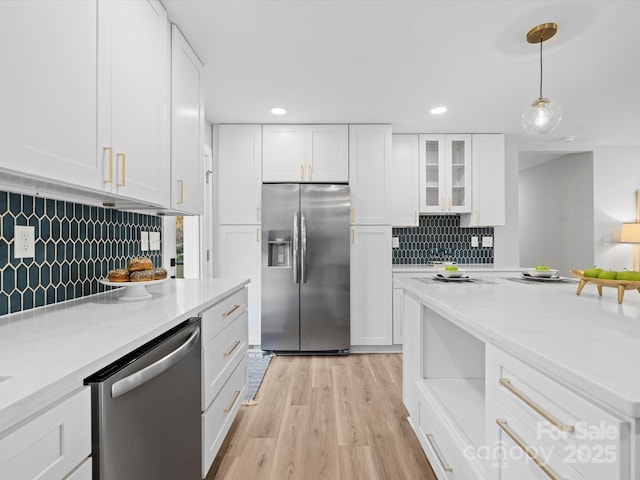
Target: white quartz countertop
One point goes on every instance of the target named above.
(469, 267)
(47, 352)
(586, 341)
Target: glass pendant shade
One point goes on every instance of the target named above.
(542, 116)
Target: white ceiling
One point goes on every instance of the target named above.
(381, 61)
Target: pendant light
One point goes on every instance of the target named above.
(544, 114)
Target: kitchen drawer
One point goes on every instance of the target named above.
(446, 452)
(50, 445)
(513, 446)
(216, 318)
(537, 401)
(217, 420)
(221, 355)
(83, 472)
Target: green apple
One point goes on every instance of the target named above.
(592, 272)
(629, 275)
(542, 268)
(608, 275)
(451, 267)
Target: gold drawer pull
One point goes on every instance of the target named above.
(526, 449)
(446, 467)
(233, 402)
(449, 203)
(442, 204)
(235, 307)
(181, 183)
(235, 345)
(301, 172)
(563, 427)
(353, 215)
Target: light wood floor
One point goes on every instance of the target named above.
(325, 418)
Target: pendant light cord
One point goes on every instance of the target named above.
(541, 66)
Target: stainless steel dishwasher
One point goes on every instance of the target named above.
(145, 410)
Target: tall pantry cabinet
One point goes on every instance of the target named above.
(239, 199)
(370, 181)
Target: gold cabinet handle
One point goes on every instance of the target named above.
(415, 217)
(235, 345)
(301, 172)
(233, 402)
(124, 164)
(446, 467)
(233, 309)
(257, 214)
(258, 235)
(449, 203)
(353, 215)
(181, 183)
(526, 449)
(110, 150)
(477, 217)
(309, 172)
(442, 204)
(506, 383)
(353, 236)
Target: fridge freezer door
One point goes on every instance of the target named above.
(324, 291)
(280, 297)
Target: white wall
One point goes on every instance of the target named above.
(616, 173)
(556, 213)
(506, 251)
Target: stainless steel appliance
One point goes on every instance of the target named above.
(146, 410)
(305, 268)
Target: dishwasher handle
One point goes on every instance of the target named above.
(134, 380)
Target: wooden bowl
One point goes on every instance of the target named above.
(621, 285)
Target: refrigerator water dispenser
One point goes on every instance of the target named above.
(279, 250)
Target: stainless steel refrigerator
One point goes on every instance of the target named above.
(305, 268)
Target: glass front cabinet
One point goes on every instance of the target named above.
(445, 173)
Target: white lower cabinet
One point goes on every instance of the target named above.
(398, 315)
(52, 445)
(83, 472)
(371, 318)
(224, 370)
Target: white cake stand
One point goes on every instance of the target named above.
(133, 290)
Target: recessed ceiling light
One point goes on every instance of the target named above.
(278, 111)
(570, 138)
(438, 110)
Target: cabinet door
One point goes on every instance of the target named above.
(327, 153)
(488, 192)
(48, 94)
(283, 153)
(405, 202)
(133, 97)
(239, 257)
(432, 174)
(370, 174)
(371, 315)
(187, 126)
(458, 175)
(240, 174)
(398, 315)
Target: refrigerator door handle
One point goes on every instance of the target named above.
(295, 248)
(303, 249)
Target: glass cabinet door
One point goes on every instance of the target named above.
(458, 194)
(432, 173)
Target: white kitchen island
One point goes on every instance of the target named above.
(46, 353)
(497, 367)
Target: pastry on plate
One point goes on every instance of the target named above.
(142, 276)
(159, 273)
(119, 275)
(140, 263)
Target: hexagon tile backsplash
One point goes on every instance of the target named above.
(75, 246)
(441, 238)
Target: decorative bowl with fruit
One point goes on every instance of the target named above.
(450, 271)
(541, 271)
(625, 280)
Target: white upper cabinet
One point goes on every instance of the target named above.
(488, 198)
(445, 173)
(49, 86)
(187, 126)
(405, 198)
(305, 153)
(239, 174)
(370, 174)
(133, 99)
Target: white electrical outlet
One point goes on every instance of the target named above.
(487, 241)
(395, 242)
(24, 241)
(154, 240)
(144, 241)
(474, 242)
